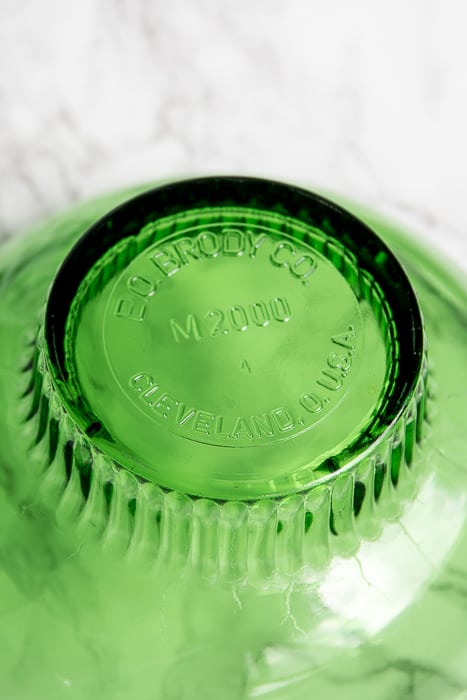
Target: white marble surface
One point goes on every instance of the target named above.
(364, 98)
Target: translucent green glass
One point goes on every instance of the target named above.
(233, 452)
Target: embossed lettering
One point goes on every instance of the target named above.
(186, 249)
(218, 328)
(219, 428)
(260, 313)
(233, 242)
(284, 255)
(242, 428)
(127, 308)
(165, 260)
(341, 362)
(311, 403)
(283, 419)
(184, 417)
(303, 267)
(204, 422)
(331, 381)
(141, 286)
(141, 382)
(236, 318)
(164, 405)
(262, 425)
(277, 258)
(208, 244)
(191, 329)
(345, 339)
(145, 385)
(255, 242)
(280, 309)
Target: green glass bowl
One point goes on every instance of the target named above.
(233, 452)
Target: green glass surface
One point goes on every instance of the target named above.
(233, 452)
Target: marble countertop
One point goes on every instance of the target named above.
(366, 99)
(363, 98)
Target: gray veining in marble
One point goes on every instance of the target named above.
(367, 99)
(364, 98)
